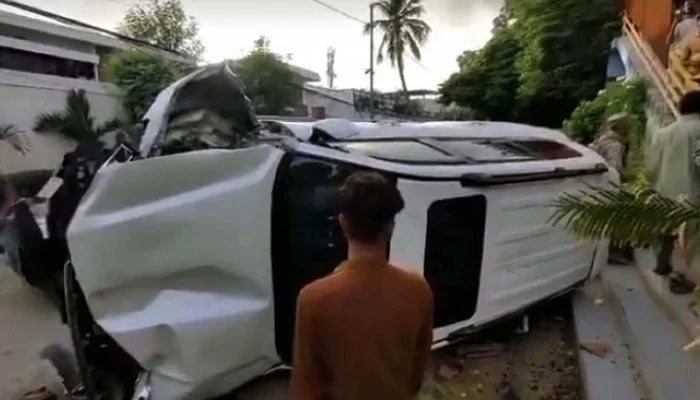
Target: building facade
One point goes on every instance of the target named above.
(40, 62)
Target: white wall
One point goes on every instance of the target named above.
(338, 104)
(23, 96)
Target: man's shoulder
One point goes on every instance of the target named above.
(318, 288)
(413, 280)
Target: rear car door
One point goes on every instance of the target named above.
(174, 257)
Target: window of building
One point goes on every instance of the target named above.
(25, 61)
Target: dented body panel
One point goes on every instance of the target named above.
(175, 274)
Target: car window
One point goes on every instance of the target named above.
(459, 151)
(307, 242)
(412, 152)
(547, 149)
(476, 151)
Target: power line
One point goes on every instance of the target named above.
(364, 23)
(341, 12)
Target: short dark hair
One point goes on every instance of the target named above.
(690, 103)
(370, 202)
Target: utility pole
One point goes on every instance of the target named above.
(371, 61)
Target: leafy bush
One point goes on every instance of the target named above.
(628, 96)
(75, 121)
(141, 76)
(622, 96)
(269, 82)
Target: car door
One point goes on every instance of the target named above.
(174, 257)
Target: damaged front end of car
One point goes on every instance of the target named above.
(162, 302)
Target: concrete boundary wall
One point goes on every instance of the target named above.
(23, 96)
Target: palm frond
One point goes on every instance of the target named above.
(384, 7)
(413, 8)
(75, 121)
(50, 122)
(380, 52)
(419, 29)
(78, 111)
(412, 44)
(15, 138)
(109, 126)
(624, 217)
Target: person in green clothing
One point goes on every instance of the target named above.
(674, 165)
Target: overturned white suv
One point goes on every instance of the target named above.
(186, 265)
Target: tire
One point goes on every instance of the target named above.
(107, 371)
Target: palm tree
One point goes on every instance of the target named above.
(75, 120)
(402, 27)
(637, 215)
(14, 137)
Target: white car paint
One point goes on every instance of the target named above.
(173, 253)
(175, 274)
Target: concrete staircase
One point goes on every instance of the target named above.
(631, 310)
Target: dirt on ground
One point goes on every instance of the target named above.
(495, 364)
(29, 323)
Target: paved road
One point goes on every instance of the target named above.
(29, 323)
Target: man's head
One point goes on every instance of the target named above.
(370, 202)
(690, 103)
(619, 123)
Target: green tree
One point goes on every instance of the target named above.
(618, 97)
(164, 23)
(75, 120)
(558, 51)
(269, 82)
(488, 80)
(403, 31)
(627, 97)
(141, 76)
(564, 57)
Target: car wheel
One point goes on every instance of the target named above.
(107, 371)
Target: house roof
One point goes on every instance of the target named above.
(27, 20)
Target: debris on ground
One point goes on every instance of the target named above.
(599, 301)
(500, 365)
(599, 349)
(480, 351)
(449, 370)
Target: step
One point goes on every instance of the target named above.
(612, 377)
(655, 339)
(677, 306)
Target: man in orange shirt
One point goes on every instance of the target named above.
(364, 332)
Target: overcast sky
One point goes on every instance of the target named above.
(305, 30)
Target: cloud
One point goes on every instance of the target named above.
(459, 12)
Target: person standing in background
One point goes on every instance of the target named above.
(612, 145)
(674, 167)
(365, 331)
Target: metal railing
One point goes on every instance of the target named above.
(667, 81)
